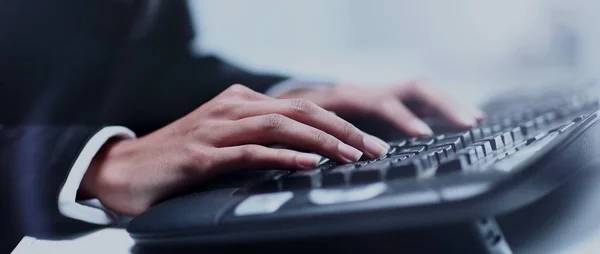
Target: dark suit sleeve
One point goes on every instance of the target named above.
(210, 72)
(213, 75)
(227, 73)
(35, 162)
(69, 86)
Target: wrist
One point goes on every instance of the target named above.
(123, 175)
(104, 170)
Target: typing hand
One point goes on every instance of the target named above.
(227, 133)
(390, 103)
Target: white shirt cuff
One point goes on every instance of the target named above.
(90, 211)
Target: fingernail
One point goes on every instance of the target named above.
(349, 153)
(466, 119)
(421, 128)
(307, 160)
(383, 143)
(374, 147)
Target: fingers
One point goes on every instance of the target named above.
(260, 157)
(399, 115)
(457, 113)
(383, 143)
(274, 128)
(323, 124)
(243, 92)
(310, 114)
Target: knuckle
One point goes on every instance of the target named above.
(248, 152)
(349, 130)
(422, 81)
(280, 155)
(223, 107)
(197, 156)
(413, 85)
(418, 84)
(274, 122)
(321, 137)
(238, 89)
(303, 106)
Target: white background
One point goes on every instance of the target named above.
(459, 44)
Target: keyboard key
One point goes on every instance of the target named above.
(528, 128)
(439, 137)
(441, 153)
(360, 163)
(479, 151)
(456, 164)
(411, 149)
(518, 117)
(337, 176)
(495, 142)
(448, 151)
(470, 154)
(564, 112)
(465, 137)
(327, 164)
(476, 135)
(486, 146)
(486, 131)
(507, 138)
(540, 122)
(506, 122)
(391, 150)
(438, 154)
(401, 157)
(381, 158)
(455, 142)
(398, 143)
(370, 173)
(422, 141)
(427, 161)
(301, 179)
(404, 169)
(550, 117)
(496, 128)
(517, 134)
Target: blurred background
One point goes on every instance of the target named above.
(477, 46)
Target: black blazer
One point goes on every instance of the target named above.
(69, 67)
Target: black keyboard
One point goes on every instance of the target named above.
(525, 149)
(510, 127)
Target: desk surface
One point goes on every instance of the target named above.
(108, 240)
(113, 240)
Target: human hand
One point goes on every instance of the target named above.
(392, 103)
(229, 132)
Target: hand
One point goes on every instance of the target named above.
(230, 132)
(390, 103)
